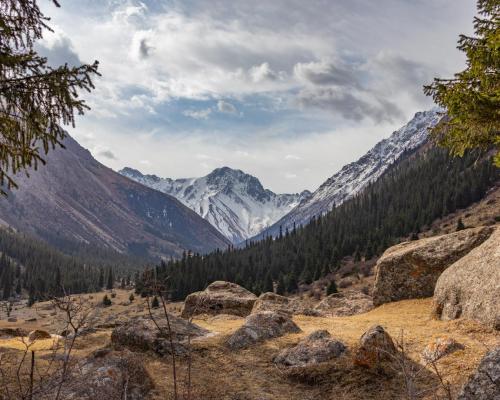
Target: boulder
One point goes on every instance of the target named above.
(38, 334)
(142, 334)
(470, 288)
(220, 298)
(273, 302)
(316, 348)
(485, 383)
(13, 332)
(108, 375)
(261, 326)
(438, 348)
(410, 270)
(375, 345)
(345, 304)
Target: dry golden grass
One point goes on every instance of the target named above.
(219, 373)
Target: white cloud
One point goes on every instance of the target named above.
(226, 107)
(198, 114)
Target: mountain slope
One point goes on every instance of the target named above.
(74, 198)
(353, 177)
(234, 202)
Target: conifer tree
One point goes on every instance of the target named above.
(332, 288)
(36, 97)
(110, 282)
(472, 97)
(460, 225)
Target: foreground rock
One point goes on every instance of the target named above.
(485, 383)
(345, 304)
(261, 326)
(375, 345)
(141, 334)
(410, 270)
(316, 348)
(109, 375)
(470, 288)
(220, 298)
(440, 347)
(38, 334)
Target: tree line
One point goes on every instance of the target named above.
(403, 202)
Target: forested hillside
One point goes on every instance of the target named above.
(412, 194)
(29, 266)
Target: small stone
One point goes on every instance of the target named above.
(316, 348)
(440, 347)
(375, 345)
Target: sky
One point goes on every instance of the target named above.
(286, 90)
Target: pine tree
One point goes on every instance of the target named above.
(101, 279)
(36, 98)
(460, 225)
(155, 303)
(332, 288)
(106, 301)
(110, 281)
(280, 287)
(472, 97)
(131, 298)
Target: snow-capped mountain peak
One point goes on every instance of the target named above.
(233, 201)
(353, 177)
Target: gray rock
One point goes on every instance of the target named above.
(219, 297)
(38, 334)
(410, 270)
(273, 302)
(470, 288)
(375, 345)
(261, 326)
(142, 334)
(438, 348)
(316, 348)
(485, 383)
(344, 304)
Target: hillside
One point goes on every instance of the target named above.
(234, 202)
(405, 201)
(354, 177)
(75, 199)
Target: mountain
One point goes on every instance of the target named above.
(76, 199)
(234, 202)
(354, 177)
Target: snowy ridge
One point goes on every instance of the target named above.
(234, 202)
(353, 177)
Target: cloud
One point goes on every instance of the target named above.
(292, 157)
(198, 114)
(58, 49)
(107, 154)
(263, 72)
(226, 107)
(325, 73)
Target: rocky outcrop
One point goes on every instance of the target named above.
(470, 288)
(485, 383)
(261, 326)
(142, 334)
(375, 345)
(316, 348)
(438, 348)
(108, 375)
(410, 270)
(345, 303)
(274, 302)
(220, 298)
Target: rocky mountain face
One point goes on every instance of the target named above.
(353, 177)
(74, 198)
(234, 202)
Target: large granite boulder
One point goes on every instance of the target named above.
(142, 334)
(220, 298)
(345, 304)
(315, 348)
(375, 345)
(410, 270)
(470, 288)
(485, 383)
(261, 326)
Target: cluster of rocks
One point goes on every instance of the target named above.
(461, 270)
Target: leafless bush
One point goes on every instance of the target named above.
(24, 375)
